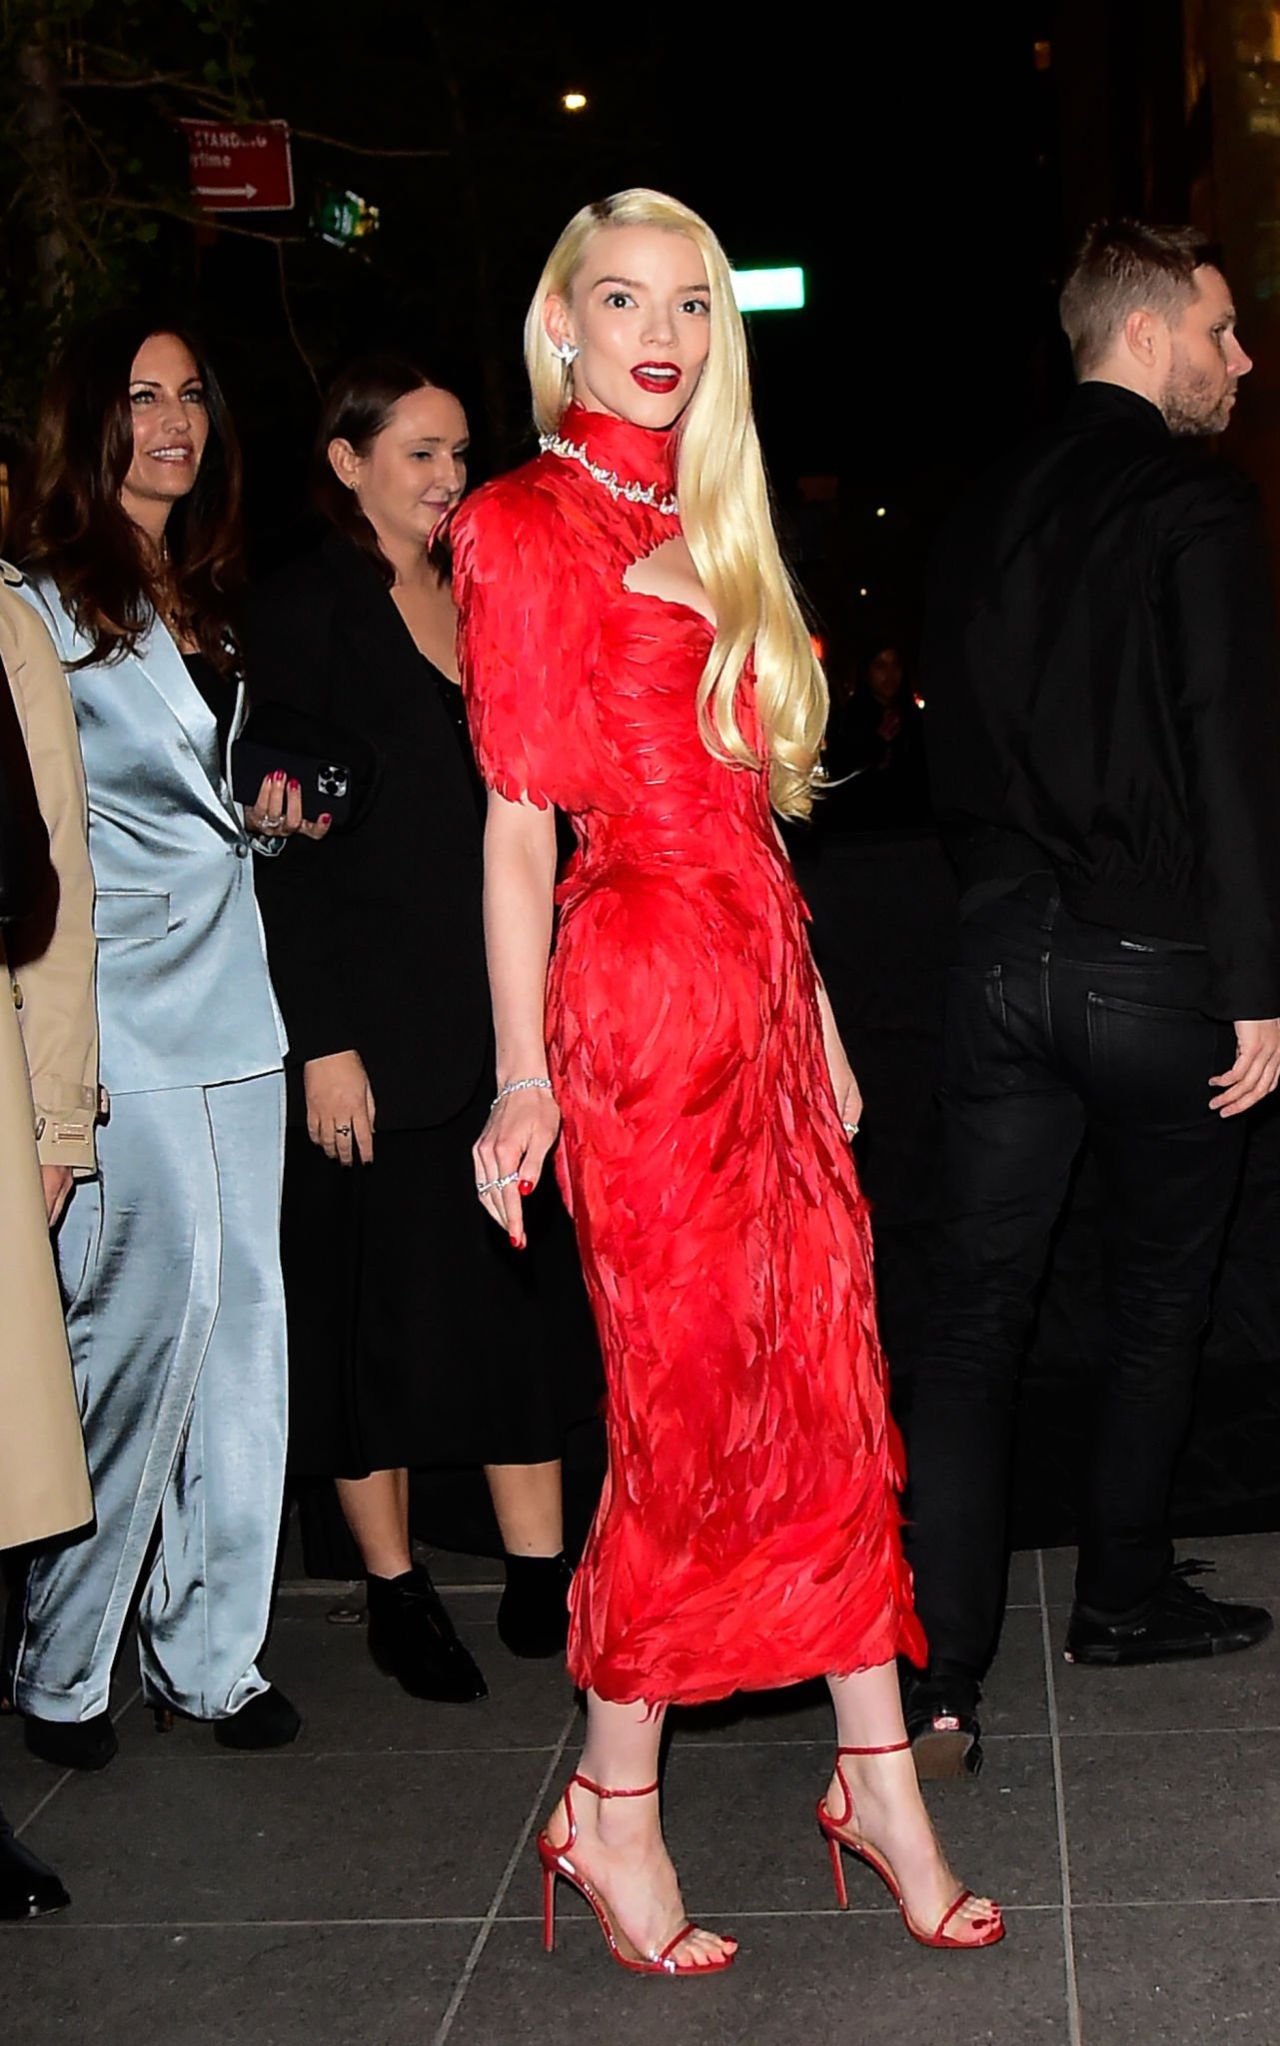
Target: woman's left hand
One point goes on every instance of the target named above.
(278, 810)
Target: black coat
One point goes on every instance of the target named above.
(375, 934)
(1103, 690)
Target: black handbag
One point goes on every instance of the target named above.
(334, 766)
(24, 842)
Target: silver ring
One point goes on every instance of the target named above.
(484, 1186)
(342, 1129)
(851, 1129)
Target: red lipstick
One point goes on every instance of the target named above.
(659, 377)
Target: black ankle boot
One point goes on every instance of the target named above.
(28, 1886)
(533, 1615)
(940, 1707)
(267, 1721)
(412, 1639)
(72, 1743)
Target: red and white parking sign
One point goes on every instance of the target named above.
(246, 167)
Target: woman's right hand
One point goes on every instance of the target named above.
(517, 1138)
(340, 1106)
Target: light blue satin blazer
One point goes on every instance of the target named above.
(184, 995)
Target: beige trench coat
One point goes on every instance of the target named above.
(48, 1104)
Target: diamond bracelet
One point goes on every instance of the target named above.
(517, 1087)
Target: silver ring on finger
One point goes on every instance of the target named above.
(342, 1129)
(507, 1179)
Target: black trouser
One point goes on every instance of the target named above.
(1056, 1029)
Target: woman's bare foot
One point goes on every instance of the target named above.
(619, 1850)
(883, 1807)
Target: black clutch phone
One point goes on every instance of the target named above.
(334, 766)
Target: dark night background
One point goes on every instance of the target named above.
(912, 173)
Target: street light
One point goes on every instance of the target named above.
(573, 102)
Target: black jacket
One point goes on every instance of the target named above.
(375, 935)
(1103, 694)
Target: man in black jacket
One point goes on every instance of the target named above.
(1104, 736)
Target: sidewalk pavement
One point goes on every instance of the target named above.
(377, 1884)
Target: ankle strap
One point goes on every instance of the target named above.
(894, 1748)
(599, 1790)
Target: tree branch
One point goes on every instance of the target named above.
(196, 218)
(288, 320)
(127, 84)
(359, 148)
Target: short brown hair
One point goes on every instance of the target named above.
(1123, 267)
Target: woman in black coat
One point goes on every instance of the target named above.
(414, 1338)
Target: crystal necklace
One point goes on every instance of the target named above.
(634, 493)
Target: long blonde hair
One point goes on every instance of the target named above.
(724, 509)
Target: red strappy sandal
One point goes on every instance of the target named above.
(838, 1836)
(556, 1862)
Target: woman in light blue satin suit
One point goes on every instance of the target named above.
(169, 1260)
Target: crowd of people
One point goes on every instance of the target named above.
(350, 1006)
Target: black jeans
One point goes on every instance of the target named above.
(1056, 1029)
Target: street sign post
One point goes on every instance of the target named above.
(245, 167)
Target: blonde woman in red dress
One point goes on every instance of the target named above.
(633, 654)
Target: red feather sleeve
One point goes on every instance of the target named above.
(528, 601)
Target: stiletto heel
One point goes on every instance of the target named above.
(840, 1833)
(548, 1910)
(556, 1862)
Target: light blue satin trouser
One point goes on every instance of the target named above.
(176, 1320)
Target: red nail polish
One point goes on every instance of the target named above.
(525, 1186)
(294, 784)
(514, 1242)
(327, 818)
(278, 775)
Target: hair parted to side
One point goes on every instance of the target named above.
(68, 519)
(724, 510)
(357, 408)
(1123, 267)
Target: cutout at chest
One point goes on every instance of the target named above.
(669, 575)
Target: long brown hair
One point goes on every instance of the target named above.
(357, 407)
(68, 519)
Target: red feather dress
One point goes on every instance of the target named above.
(747, 1535)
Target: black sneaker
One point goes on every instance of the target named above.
(1179, 1623)
(941, 1712)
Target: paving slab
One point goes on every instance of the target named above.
(833, 1980)
(1180, 1975)
(300, 1985)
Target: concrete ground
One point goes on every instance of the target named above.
(377, 1882)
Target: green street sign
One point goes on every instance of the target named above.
(343, 218)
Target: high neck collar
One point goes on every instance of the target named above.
(1096, 399)
(636, 454)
